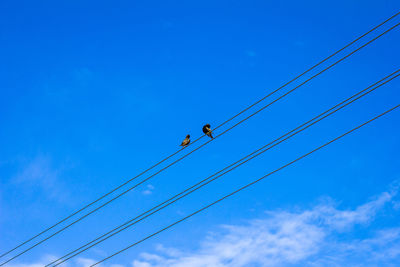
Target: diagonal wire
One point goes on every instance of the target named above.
(173, 154)
(126, 191)
(208, 180)
(246, 186)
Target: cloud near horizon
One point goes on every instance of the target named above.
(322, 235)
(310, 237)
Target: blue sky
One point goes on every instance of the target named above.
(94, 92)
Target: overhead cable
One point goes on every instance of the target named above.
(227, 169)
(244, 187)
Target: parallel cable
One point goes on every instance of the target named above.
(313, 67)
(208, 180)
(173, 154)
(220, 172)
(126, 191)
(244, 187)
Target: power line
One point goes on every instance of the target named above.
(246, 186)
(126, 191)
(125, 183)
(209, 180)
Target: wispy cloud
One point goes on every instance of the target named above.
(79, 262)
(40, 263)
(309, 237)
(85, 262)
(149, 190)
(322, 235)
(39, 174)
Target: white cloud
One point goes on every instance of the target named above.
(342, 219)
(84, 262)
(382, 249)
(79, 262)
(42, 262)
(148, 190)
(322, 235)
(310, 237)
(39, 174)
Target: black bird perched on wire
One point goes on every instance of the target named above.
(186, 141)
(207, 130)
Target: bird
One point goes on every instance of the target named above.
(207, 130)
(186, 141)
